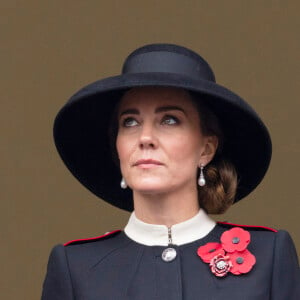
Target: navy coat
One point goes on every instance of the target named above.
(114, 267)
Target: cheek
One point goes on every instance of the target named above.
(124, 148)
(185, 147)
(121, 149)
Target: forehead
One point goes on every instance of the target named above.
(156, 96)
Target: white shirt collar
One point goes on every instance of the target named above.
(157, 235)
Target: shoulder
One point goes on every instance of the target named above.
(258, 233)
(61, 250)
(105, 236)
(95, 248)
(82, 254)
(227, 225)
(266, 237)
(274, 253)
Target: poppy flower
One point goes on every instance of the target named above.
(242, 262)
(235, 239)
(230, 255)
(220, 265)
(210, 250)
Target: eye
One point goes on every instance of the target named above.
(129, 122)
(170, 120)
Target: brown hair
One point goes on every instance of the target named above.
(218, 194)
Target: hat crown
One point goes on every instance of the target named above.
(168, 58)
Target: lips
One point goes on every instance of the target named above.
(147, 163)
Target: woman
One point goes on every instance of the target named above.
(163, 139)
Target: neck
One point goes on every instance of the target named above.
(166, 208)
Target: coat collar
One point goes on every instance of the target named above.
(157, 235)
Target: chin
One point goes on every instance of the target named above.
(149, 187)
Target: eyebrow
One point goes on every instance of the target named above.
(157, 110)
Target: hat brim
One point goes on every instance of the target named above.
(82, 139)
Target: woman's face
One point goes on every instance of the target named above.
(159, 143)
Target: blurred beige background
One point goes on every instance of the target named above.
(50, 49)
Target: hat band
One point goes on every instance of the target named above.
(168, 62)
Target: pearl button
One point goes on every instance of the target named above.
(169, 254)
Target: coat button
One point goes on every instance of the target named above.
(169, 254)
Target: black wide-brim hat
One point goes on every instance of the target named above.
(81, 128)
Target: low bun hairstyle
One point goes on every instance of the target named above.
(218, 194)
(219, 191)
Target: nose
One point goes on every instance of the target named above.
(148, 139)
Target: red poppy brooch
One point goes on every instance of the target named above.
(231, 255)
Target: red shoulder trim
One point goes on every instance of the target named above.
(92, 239)
(249, 226)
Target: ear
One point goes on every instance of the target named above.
(209, 150)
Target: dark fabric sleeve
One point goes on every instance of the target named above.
(57, 284)
(286, 272)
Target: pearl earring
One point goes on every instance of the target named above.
(123, 183)
(201, 180)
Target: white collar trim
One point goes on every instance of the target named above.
(157, 235)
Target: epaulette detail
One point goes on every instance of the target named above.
(256, 228)
(93, 239)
